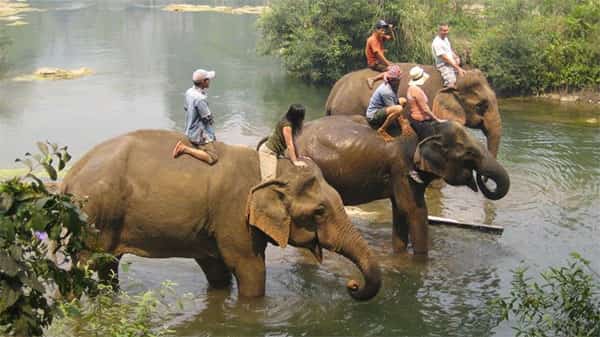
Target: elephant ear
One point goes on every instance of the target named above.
(446, 105)
(430, 155)
(267, 211)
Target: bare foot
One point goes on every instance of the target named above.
(177, 149)
(386, 136)
(370, 82)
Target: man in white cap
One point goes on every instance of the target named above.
(198, 121)
(446, 61)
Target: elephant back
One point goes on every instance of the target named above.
(141, 164)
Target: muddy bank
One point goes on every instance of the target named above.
(10, 12)
(55, 74)
(257, 10)
(587, 96)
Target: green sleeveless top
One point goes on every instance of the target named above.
(276, 142)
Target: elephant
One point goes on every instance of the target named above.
(146, 203)
(362, 167)
(472, 103)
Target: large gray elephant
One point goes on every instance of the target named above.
(362, 167)
(473, 103)
(146, 203)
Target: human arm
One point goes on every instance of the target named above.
(381, 57)
(453, 61)
(421, 101)
(289, 143)
(204, 111)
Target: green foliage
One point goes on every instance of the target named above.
(565, 304)
(318, 40)
(530, 48)
(29, 216)
(524, 46)
(116, 314)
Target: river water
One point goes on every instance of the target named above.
(143, 58)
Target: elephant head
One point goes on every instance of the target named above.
(302, 209)
(472, 103)
(453, 154)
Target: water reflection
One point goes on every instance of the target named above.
(144, 57)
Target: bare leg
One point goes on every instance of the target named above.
(372, 80)
(181, 148)
(393, 113)
(217, 273)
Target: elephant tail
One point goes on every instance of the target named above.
(261, 142)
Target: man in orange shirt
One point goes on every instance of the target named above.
(375, 53)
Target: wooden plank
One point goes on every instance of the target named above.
(435, 220)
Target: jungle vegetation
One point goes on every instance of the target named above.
(61, 296)
(524, 46)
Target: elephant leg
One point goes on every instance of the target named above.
(399, 229)
(250, 274)
(411, 207)
(108, 271)
(217, 273)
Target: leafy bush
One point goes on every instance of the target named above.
(565, 304)
(29, 216)
(117, 314)
(524, 47)
(318, 40)
(530, 48)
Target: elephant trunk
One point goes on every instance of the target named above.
(490, 168)
(492, 127)
(354, 247)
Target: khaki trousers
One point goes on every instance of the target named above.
(268, 162)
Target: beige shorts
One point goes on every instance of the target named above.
(210, 149)
(268, 162)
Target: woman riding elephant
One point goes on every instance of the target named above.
(472, 102)
(362, 168)
(147, 204)
(281, 139)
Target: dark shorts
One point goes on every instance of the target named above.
(422, 128)
(210, 149)
(380, 67)
(378, 118)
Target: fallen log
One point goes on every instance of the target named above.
(434, 220)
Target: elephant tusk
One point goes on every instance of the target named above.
(472, 184)
(352, 285)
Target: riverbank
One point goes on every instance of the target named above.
(588, 96)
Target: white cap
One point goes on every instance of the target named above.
(201, 74)
(417, 76)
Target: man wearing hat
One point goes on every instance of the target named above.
(375, 53)
(446, 61)
(385, 106)
(198, 121)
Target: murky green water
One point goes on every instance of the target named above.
(143, 59)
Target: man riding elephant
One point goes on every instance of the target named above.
(472, 102)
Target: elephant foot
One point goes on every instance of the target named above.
(399, 246)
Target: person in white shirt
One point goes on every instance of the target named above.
(446, 61)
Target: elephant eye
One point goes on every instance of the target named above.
(482, 107)
(319, 211)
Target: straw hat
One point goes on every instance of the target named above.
(417, 76)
